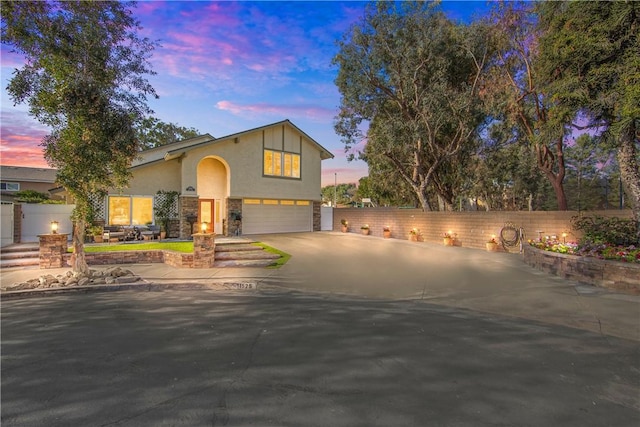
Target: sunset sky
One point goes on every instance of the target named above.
(225, 67)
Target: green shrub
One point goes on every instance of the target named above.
(600, 230)
(31, 196)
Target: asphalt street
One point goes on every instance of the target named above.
(353, 331)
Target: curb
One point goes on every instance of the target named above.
(142, 285)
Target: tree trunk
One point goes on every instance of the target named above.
(424, 202)
(78, 260)
(627, 160)
(558, 188)
(546, 161)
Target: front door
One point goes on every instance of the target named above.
(205, 209)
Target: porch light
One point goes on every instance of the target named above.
(54, 227)
(203, 226)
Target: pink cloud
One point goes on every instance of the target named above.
(20, 139)
(312, 112)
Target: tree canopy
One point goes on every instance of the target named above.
(515, 97)
(84, 77)
(153, 132)
(412, 74)
(590, 62)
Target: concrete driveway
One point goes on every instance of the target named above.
(353, 331)
(499, 283)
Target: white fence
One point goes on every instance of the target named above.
(326, 218)
(36, 219)
(6, 224)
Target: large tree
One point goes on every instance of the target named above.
(413, 74)
(84, 77)
(590, 59)
(153, 132)
(515, 97)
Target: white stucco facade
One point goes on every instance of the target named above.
(215, 171)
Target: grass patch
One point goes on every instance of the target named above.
(284, 257)
(171, 246)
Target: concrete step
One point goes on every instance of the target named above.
(246, 255)
(243, 263)
(19, 255)
(19, 247)
(20, 262)
(237, 247)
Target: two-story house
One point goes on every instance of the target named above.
(262, 180)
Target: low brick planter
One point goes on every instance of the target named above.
(615, 275)
(174, 259)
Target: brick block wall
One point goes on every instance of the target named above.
(472, 229)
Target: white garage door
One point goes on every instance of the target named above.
(276, 216)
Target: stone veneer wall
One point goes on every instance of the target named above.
(317, 220)
(473, 229)
(174, 259)
(52, 250)
(608, 274)
(188, 206)
(233, 205)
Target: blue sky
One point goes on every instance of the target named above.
(224, 67)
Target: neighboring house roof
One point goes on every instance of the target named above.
(177, 149)
(19, 173)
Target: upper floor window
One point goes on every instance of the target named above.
(280, 163)
(10, 186)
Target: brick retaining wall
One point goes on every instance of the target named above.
(607, 274)
(174, 259)
(473, 229)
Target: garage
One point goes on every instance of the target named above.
(261, 216)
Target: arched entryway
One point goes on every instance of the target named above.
(213, 191)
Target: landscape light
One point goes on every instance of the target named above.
(54, 227)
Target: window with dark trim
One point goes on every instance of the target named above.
(281, 163)
(10, 186)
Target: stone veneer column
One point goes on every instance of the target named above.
(53, 248)
(317, 213)
(188, 206)
(204, 249)
(233, 205)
